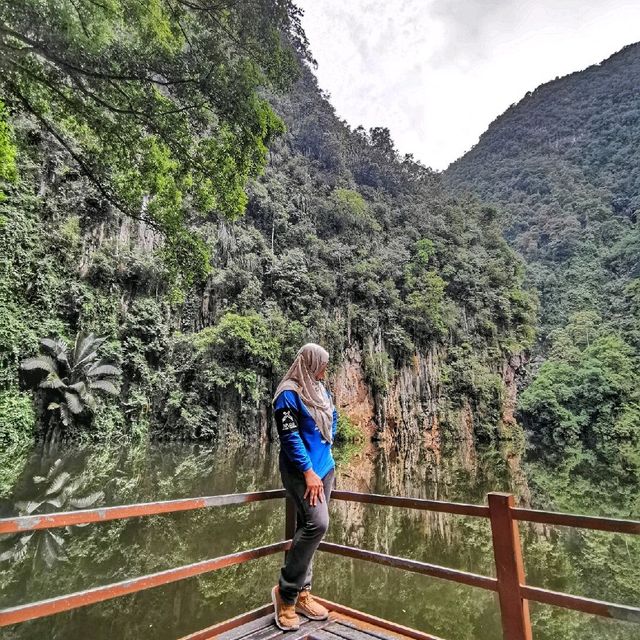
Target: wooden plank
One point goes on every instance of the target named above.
(325, 634)
(103, 514)
(514, 609)
(268, 632)
(350, 631)
(583, 522)
(308, 628)
(456, 508)
(415, 566)
(20, 613)
(367, 621)
(273, 631)
(241, 629)
(258, 629)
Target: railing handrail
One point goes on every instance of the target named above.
(58, 604)
(443, 506)
(594, 523)
(545, 596)
(20, 524)
(503, 516)
(415, 566)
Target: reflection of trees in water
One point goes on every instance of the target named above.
(435, 606)
(112, 551)
(55, 490)
(419, 473)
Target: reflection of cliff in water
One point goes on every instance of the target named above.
(420, 472)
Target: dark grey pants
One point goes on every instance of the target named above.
(312, 523)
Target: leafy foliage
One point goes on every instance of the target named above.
(561, 163)
(7, 150)
(586, 396)
(344, 241)
(71, 377)
(157, 104)
(562, 167)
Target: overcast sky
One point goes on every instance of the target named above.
(437, 72)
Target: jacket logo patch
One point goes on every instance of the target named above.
(288, 421)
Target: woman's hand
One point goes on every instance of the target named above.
(315, 488)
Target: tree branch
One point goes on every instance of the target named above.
(82, 164)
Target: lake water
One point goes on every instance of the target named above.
(83, 557)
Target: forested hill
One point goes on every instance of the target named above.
(563, 166)
(202, 293)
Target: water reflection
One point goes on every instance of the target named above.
(108, 552)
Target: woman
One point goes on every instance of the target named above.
(306, 420)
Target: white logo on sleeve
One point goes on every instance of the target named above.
(288, 422)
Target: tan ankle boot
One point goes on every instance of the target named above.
(309, 607)
(285, 615)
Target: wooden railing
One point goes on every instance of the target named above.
(509, 583)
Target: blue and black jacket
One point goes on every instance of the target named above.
(301, 440)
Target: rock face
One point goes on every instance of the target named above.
(511, 371)
(408, 412)
(352, 392)
(413, 409)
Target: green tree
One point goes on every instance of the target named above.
(72, 376)
(7, 150)
(156, 103)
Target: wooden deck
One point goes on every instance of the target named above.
(343, 623)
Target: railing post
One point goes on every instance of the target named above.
(290, 520)
(514, 609)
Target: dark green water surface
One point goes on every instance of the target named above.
(594, 564)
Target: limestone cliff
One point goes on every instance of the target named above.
(414, 409)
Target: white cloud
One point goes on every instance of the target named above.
(437, 72)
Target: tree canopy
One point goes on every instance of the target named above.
(158, 103)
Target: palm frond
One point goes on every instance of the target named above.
(79, 387)
(53, 469)
(49, 551)
(58, 348)
(28, 507)
(86, 350)
(57, 502)
(24, 539)
(104, 385)
(21, 552)
(90, 401)
(16, 553)
(7, 555)
(52, 381)
(99, 369)
(58, 483)
(57, 537)
(73, 486)
(86, 501)
(50, 344)
(65, 414)
(43, 363)
(73, 402)
(80, 343)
